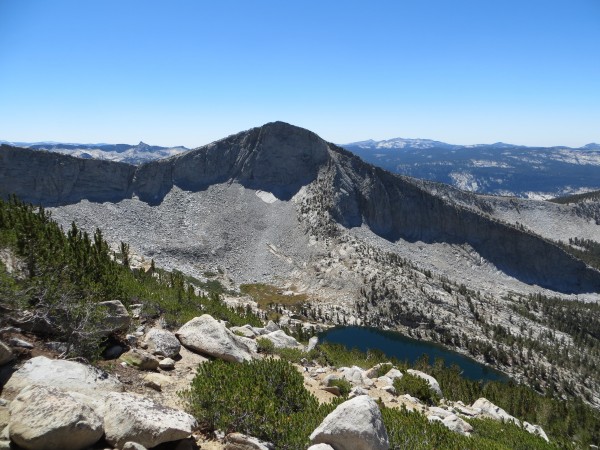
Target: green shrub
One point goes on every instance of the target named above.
(263, 398)
(417, 387)
(383, 369)
(412, 430)
(343, 385)
(265, 346)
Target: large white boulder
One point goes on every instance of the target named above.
(66, 375)
(433, 383)
(162, 342)
(206, 335)
(321, 447)
(492, 411)
(43, 418)
(282, 340)
(354, 425)
(131, 417)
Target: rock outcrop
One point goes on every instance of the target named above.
(70, 376)
(493, 411)
(43, 418)
(354, 425)
(208, 336)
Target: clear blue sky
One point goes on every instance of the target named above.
(189, 72)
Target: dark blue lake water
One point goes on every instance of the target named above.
(406, 349)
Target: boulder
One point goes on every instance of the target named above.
(271, 326)
(166, 364)
(389, 389)
(439, 412)
(353, 374)
(239, 441)
(117, 318)
(328, 378)
(6, 354)
(456, 424)
(433, 384)
(536, 429)
(162, 342)
(393, 374)
(312, 343)
(332, 390)
(356, 424)
(492, 411)
(66, 375)
(139, 419)
(140, 359)
(321, 447)
(133, 446)
(20, 343)
(373, 371)
(43, 418)
(282, 340)
(356, 391)
(206, 335)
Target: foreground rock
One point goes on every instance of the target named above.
(354, 425)
(43, 418)
(66, 375)
(131, 417)
(206, 335)
(162, 342)
(239, 441)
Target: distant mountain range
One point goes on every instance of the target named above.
(132, 154)
(500, 169)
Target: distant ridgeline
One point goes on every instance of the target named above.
(499, 169)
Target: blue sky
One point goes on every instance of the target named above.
(189, 72)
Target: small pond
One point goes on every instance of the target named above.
(394, 344)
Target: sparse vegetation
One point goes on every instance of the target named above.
(262, 398)
(62, 278)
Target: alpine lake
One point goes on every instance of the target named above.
(394, 344)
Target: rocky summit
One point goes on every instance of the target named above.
(357, 244)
